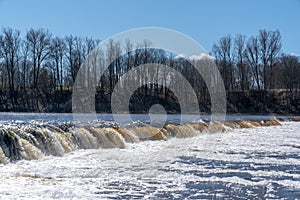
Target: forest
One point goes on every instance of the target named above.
(38, 71)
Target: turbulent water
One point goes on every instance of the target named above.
(50, 159)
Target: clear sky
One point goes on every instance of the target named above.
(204, 21)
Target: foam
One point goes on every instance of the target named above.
(261, 162)
(30, 140)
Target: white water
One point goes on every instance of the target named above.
(263, 162)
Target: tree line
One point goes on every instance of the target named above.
(256, 69)
(38, 70)
(35, 67)
(256, 63)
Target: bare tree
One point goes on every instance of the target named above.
(223, 53)
(270, 46)
(39, 46)
(25, 72)
(252, 59)
(70, 54)
(110, 54)
(2, 76)
(291, 72)
(243, 71)
(57, 49)
(10, 45)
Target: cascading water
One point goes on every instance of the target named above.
(32, 141)
(242, 158)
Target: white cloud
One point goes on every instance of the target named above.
(200, 56)
(180, 56)
(195, 57)
(294, 54)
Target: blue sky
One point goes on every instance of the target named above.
(204, 21)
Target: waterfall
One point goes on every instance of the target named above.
(33, 141)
